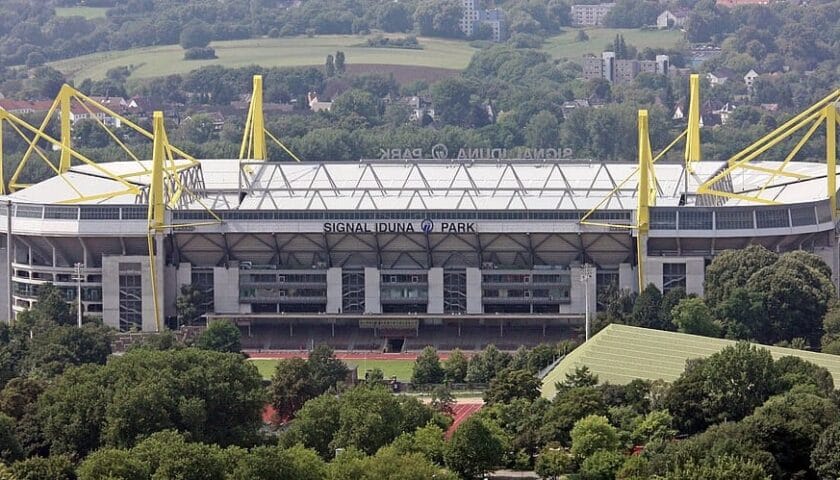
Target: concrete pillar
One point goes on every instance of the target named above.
(577, 293)
(334, 290)
(627, 277)
(5, 278)
(474, 291)
(111, 291)
(373, 303)
(111, 268)
(653, 271)
(695, 274)
(435, 290)
(831, 256)
(226, 289)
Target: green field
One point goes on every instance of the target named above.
(304, 51)
(619, 354)
(88, 12)
(399, 368)
(565, 45)
(268, 52)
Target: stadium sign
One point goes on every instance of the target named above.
(426, 226)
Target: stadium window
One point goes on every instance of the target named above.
(673, 276)
(772, 218)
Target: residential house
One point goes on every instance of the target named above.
(622, 71)
(720, 76)
(672, 19)
(735, 3)
(750, 77)
(23, 107)
(590, 15)
(317, 105)
(422, 109)
(571, 106)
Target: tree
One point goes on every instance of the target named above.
(692, 316)
(275, 463)
(191, 304)
(648, 306)
(10, 449)
(113, 463)
(723, 467)
(55, 467)
(592, 434)
(831, 325)
(59, 347)
(427, 368)
(553, 462)
(51, 307)
(487, 364)
(473, 449)
(568, 407)
(315, 425)
(455, 367)
(220, 336)
(744, 316)
(511, 384)
(452, 98)
(654, 427)
(326, 370)
(601, 465)
(580, 377)
(339, 62)
(824, 459)
(195, 34)
(291, 387)
(543, 131)
(731, 269)
(359, 103)
(726, 386)
(388, 463)
(795, 371)
(329, 66)
(169, 455)
(670, 300)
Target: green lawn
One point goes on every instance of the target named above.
(400, 368)
(268, 52)
(567, 46)
(88, 12)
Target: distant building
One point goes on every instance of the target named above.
(590, 15)
(473, 16)
(317, 105)
(622, 71)
(672, 19)
(750, 77)
(735, 3)
(720, 76)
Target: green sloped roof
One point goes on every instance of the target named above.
(619, 354)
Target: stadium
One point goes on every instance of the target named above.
(398, 254)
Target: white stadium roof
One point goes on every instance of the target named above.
(426, 185)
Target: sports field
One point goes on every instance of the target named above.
(268, 52)
(566, 45)
(88, 12)
(401, 368)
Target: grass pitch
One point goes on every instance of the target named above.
(89, 13)
(268, 52)
(566, 45)
(399, 368)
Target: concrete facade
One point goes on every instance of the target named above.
(226, 288)
(334, 290)
(373, 303)
(111, 268)
(435, 290)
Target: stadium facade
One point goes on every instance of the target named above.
(399, 247)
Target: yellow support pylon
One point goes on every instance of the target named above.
(64, 97)
(156, 198)
(692, 143)
(646, 195)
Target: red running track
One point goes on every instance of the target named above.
(285, 354)
(461, 412)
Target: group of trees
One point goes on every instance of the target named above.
(750, 294)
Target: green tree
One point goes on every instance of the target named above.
(59, 347)
(427, 368)
(329, 66)
(831, 325)
(670, 300)
(340, 66)
(795, 371)
(50, 307)
(455, 367)
(568, 407)
(692, 316)
(315, 425)
(824, 459)
(543, 131)
(601, 465)
(591, 434)
(731, 269)
(359, 103)
(220, 336)
(10, 449)
(744, 315)
(648, 307)
(511, 384)
(326, 370)
(191, 304)
(551, 463)
(195, 34)
(388, 463)
(452, 98)
(487, 364)
(291, 387)
(113, 464)
(722, 467)
(656, 426)
(275, 463)
(473, 449)
(169, 455)
(55, 467)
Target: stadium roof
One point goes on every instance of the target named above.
(619, 354)
(429, 185)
